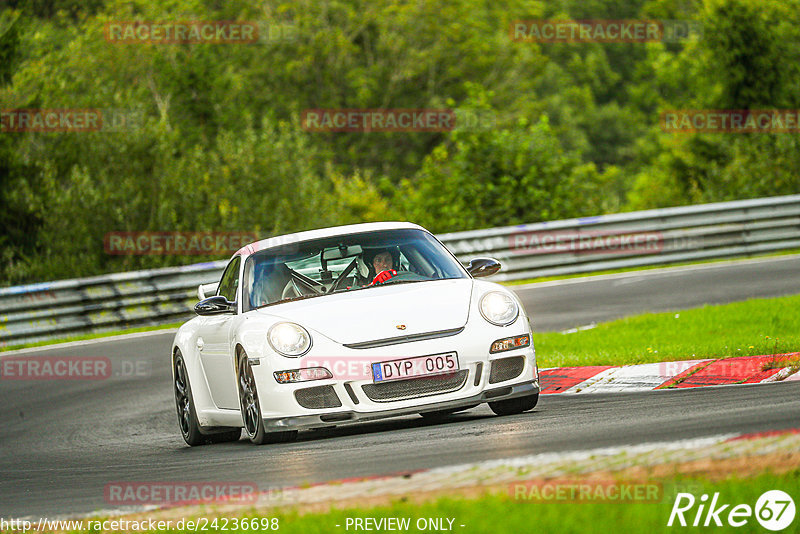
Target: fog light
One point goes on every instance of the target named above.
(302, 375)
(510, 343)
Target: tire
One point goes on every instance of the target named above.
(193, 434)
(251, 408)
(184, 404)
(515, 406)
(442, 414)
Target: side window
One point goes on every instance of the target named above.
(230, 280)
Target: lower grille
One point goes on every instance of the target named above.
(317, 398)
(415, 387)
(506, 369)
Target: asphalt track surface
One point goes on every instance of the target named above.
(61, 442)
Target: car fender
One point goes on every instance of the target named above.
(186, 341)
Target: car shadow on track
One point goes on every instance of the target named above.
(450, 423)
(400, 423)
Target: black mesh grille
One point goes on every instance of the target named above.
(506, 369)
(415, 387)
(317, 398)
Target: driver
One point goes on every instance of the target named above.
(382, 266)
(383, 262)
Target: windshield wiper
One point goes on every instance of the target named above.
(368, 286)
(301, 297)
(389, 281)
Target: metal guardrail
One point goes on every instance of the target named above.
(58, 309)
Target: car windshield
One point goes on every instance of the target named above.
(345, 263)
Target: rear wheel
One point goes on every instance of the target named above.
(515, 406)
(251, 408)
(193, 434)
(187, 418)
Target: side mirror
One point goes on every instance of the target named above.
(483, 267)
(206, 290)
(215, 305)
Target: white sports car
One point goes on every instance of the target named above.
(347, 324)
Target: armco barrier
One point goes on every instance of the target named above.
(728, 229)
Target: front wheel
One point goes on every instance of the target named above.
(515, 406)
(251, 408)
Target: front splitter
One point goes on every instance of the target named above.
(300, 422)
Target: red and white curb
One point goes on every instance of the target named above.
(544, 465)
(682, 374)
(496, 473)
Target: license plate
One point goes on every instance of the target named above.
(434, 364)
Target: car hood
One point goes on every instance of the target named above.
(375, 313)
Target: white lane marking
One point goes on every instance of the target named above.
(578, 388)
(642, 377)
(795, 376)
(780, 375)
(580, 328)
(627, 281)
(664, 271)
(84, 342)
(628, 450)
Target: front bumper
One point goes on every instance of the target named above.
(300, 422)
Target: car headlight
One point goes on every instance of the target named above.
(289, 339)
(499, 308)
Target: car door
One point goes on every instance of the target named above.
(215, 343)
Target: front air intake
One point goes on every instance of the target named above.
(317, 398)
(506, 369)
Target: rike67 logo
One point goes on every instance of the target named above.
(774, 510)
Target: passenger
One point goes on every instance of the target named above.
(270, 281)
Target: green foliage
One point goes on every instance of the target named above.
(746, 60)
(9, 45)
(501, 177)
(217, 142)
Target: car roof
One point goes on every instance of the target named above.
(323, 232)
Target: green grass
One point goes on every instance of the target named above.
(512, 283)
(759, 326)
(502, 513)
(83, 337)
